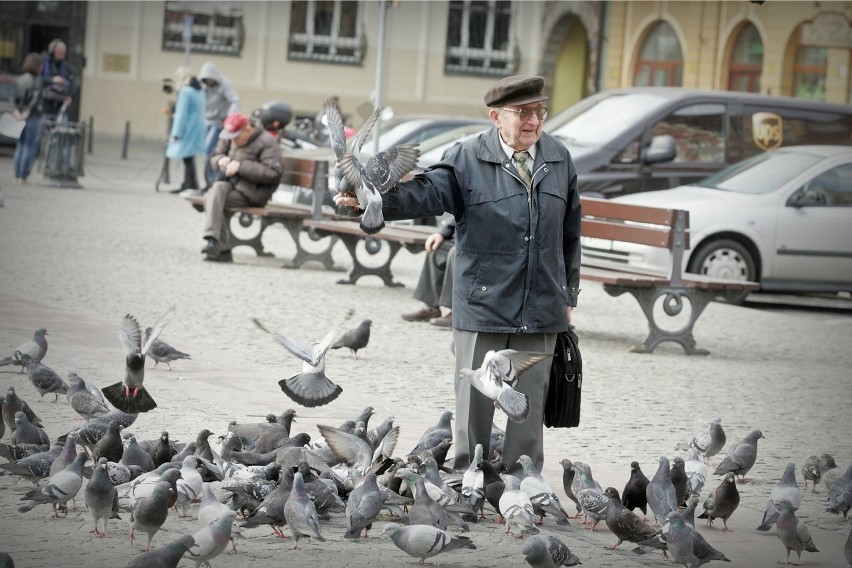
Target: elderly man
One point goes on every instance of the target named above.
(513, 193)
(248, 160)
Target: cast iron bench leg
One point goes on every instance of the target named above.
(294, 227)
(359, 270)
(245, 220)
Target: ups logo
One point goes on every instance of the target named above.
(767, 130)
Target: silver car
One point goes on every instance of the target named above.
(783, 219)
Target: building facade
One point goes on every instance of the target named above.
(439, 57)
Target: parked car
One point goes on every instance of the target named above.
(649, 138)
(432, 149)
(7, 90)
(416, 129)
(780, 218)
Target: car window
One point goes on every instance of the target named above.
(761, 174)
(698, 131)
(833, 188)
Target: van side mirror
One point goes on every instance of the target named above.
(661, 149)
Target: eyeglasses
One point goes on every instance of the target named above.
(526, 113)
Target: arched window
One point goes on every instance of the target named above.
(809, 73)
(660, 62)
(746, 61)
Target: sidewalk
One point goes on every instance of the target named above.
(76, 261)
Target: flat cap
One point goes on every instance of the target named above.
(516, 90)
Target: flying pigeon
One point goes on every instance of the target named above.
(36, 349)
(634, 495)
(707, 443)
(311, 387)
(86, 399)
(547, 551)
(741, 458)
(368, 181)
(497, 377)
(149, 513)
(723, 502)
(212, 539)
(356, 338)
(839, 498)
(686, 544)
(422, 541)
(100, 496)
(624, 523)
(792, 532)
(168, 556)
(130, 395)
(661, 492)
(162, 352)
(59, 489)
(787, 488)
(811, 472)
(44, 379)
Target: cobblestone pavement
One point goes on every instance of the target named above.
(75, 261)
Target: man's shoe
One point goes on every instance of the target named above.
(423, 315)
(223, 256)
(212, 247)
(446, 321)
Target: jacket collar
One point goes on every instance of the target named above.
(490, 149)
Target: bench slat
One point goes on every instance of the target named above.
(625, 212)
(614, 231)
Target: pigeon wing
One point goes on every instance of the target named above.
(336, 134)
(130, 335)
(515, 404)
(158, 328)
(348, 447)
(386, 168)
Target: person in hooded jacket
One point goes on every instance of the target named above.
(186, 138)
(220, 100)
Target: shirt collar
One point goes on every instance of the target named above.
(510, 152)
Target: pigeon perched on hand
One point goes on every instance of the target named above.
(311, 387)
(723, 502)
(44, 379)
(497, 377)
(162, 352)
(792, 532)
(786, 488)
(130, 395)
(35, 349)
(86, 399)
(547, 551)
(741, 458)
(356, 338)
(422, 541)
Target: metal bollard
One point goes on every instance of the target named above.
(126, 140)
(91, 134)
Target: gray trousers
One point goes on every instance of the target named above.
(475, 412)
(435, 286)
(216, 223)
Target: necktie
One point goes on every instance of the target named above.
(523, 170)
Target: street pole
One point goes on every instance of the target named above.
(380, 71)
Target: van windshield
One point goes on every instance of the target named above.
(599, 119)
(760, 174)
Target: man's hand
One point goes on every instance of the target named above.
(346, 200)
(569, 313)
(232, 168)
(433, 241)
(223, 162)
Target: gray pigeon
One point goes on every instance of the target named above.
(497, 377)
(100, 496)
(517, 509)
(36, 349)
(89, 434)
(301, 514)
(337, 139)
(210, 508)
(271, 509)
(547, 551)
(568, 474)
(110, 445)
(839, 498)
(190, 483)
(26, 433)
(829, 470)
(149, 513)
(133, 454)
(350, 448)
(847, 549)
(634, 495)
(787, 488)
(364, 505)
(792, 532)
(15, 452)
(311, 387)
(130, 394)
(624, 523)
(472, 488)
(381, 172)
(679, 480)
(686, 544)
(541, 494)
(661, 492)
(44, 379)
(592, 499)
(87, 400)
(436, 434)
(202, 445)
(12, 403)
(168, 556)
(811, 472)
(741, 458)
(33, 467)
(120, 474)
(59, 489)
(723, 502)
(68, 455)
(696, 472)
(425, 510)
(162, 352)
(422, 541)
(212, 539)
(356, 338)
(707, 443)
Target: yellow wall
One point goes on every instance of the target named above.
(570, 69)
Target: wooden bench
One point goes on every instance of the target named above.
(656, 227)
(397, 236)
(299, 174)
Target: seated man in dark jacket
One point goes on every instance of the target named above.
(248, 161)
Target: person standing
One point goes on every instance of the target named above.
(513, 193)
(248, 159)
(220, 100)
(28, 107)
(186, 138)
(56, 76)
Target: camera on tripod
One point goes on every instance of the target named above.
(168, 86)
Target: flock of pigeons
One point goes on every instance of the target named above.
(267, 474)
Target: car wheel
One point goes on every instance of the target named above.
(727, 259)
